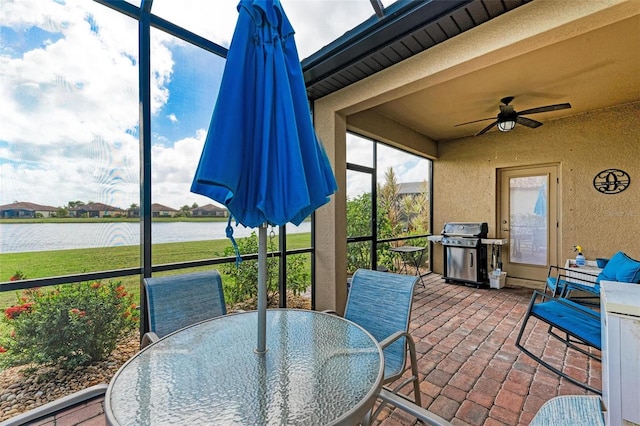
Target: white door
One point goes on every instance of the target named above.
(528, 219)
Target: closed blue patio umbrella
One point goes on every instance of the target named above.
(262, 158)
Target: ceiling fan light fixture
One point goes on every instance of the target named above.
(506, 126)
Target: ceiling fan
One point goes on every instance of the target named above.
(508, 117)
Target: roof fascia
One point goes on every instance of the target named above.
(401, 18)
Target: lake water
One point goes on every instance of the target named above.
(25, 237)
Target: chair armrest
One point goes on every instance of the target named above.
(395, 336)
(579, 308)
(564, 302)
(425, 416)
(578, 280)
(329, 311)
(584, 277)
(558, 279)
(148, 338)
(559, 270)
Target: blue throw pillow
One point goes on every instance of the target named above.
(621, 268)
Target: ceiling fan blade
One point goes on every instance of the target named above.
(545, 108)
(528, 122)
(486, 129)
(475, 121)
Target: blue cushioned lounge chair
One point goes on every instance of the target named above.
(580, 325)
(176, 301)
(562, 281)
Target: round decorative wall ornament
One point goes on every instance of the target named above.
(611, 181)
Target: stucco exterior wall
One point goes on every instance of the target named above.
(466, 170)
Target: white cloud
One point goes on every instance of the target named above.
(406, 167)
(173, 170)
(69, 107)
(316, 22)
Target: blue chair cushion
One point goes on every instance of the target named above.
(552, 283)
(571, 317)
(621, 268)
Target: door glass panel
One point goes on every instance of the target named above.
(529, 219)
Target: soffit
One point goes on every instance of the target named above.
(595, 70)
(591, 62)
(408, 28)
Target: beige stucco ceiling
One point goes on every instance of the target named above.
(591, 67)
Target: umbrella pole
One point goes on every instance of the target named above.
(262, 289)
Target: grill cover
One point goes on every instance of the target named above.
(466, 229)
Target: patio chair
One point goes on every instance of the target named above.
(562, 281)
(176, 301)
(380, 302)
(580, 325)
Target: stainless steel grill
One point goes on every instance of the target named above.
(465, 257)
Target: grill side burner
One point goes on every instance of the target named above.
(465, 257)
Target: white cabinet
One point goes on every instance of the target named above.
(620, 307)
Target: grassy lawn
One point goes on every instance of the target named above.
(64, 262)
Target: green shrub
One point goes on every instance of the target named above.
(245, 274)
(71, 325)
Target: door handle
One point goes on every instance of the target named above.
(505, 229)
(471, 256)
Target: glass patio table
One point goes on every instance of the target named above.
(318, 369)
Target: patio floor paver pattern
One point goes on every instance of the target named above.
(470, 370)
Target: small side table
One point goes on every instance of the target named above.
(411, 255)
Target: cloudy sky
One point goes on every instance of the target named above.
(69, 96)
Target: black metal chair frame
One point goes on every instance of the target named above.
(565, 284)
(571, 339)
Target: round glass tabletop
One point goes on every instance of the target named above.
(318, 369)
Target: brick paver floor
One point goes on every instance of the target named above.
(470, 370)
